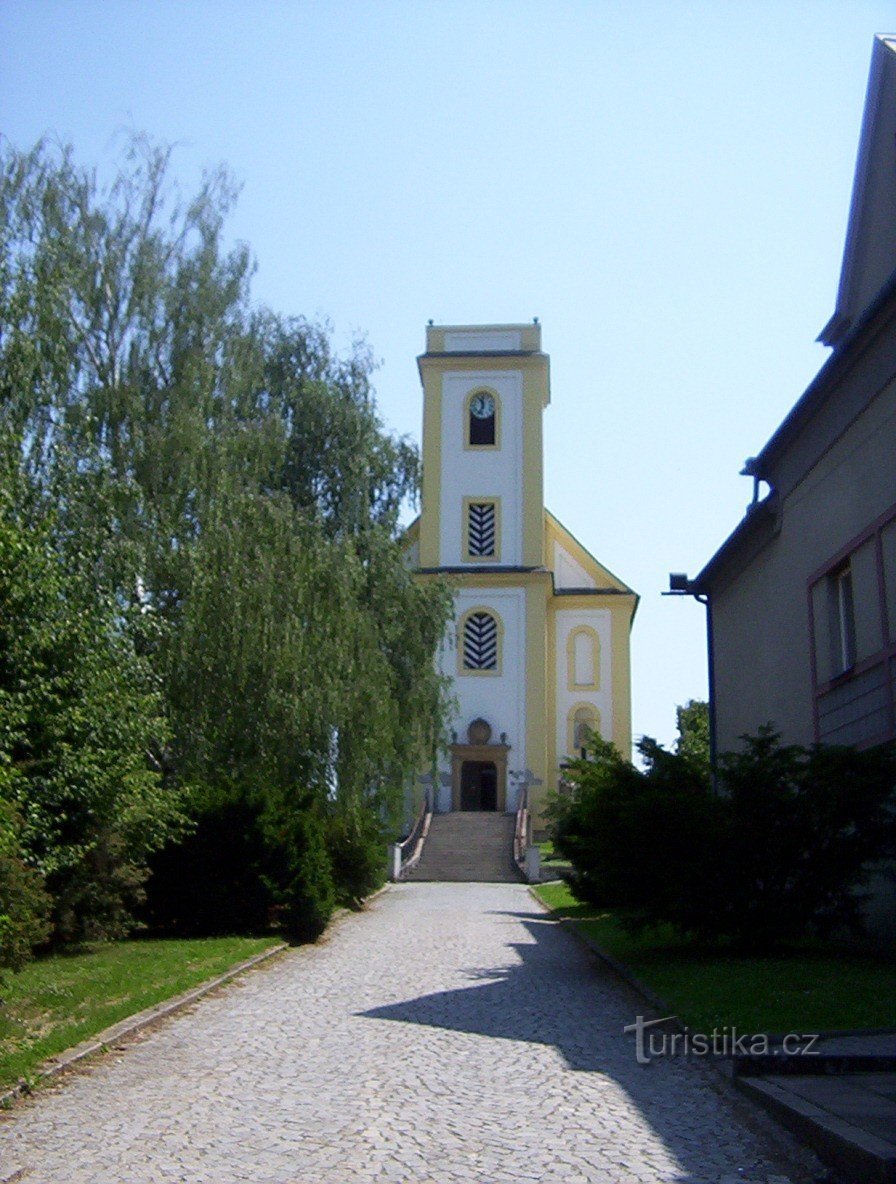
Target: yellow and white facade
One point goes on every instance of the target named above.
(539, 646)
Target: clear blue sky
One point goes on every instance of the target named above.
(665, 185)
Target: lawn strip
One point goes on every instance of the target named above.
(805, 989)
(55, 1003)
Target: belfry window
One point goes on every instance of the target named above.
(482, 416)
(480, 642)
(482, 532)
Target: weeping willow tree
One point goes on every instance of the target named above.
(225, 483)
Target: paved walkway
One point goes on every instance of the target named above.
(451, 1034)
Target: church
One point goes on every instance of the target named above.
(538, 651)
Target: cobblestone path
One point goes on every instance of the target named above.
(450, 1034)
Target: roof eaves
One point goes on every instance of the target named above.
(760, 516)
(819, 388)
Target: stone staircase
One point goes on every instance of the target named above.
(475, 846)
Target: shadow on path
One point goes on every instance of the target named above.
(558, 995)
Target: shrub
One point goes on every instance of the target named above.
(24, 903)
(802, 826)
(357, 848)
(780, 850)
(212, 881)
(246, 866)
(637, 840)
(302, 882)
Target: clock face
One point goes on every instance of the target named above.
(482, 406)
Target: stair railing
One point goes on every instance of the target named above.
(521, 831)
(525, 854)
(406, 854)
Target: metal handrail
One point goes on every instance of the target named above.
(521, 830)
(411, 849)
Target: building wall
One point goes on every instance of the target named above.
(528, 698)
(499, 698)
(764, 648)
(487, 473)
(583, 629)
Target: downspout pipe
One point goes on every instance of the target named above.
(680, 585)
(704, 599)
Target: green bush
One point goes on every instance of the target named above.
(303, 884)
(357, 847)
(802, 826)
(24, 903)
(212, 881)
(245, 868)
(780, 849)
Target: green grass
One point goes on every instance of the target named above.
(550, 857)
(59, 1001)
(807, 988)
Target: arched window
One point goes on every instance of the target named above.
(584, 720)
(583, 659)
(481, 419)
(479, 642)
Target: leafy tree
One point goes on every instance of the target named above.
(235, 500)
(693, 731)
(80, 717)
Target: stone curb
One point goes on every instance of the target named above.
(135, 1023)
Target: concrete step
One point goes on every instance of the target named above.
(848, 1120)
(468, 846)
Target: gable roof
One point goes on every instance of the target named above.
(869, 257)
(604, 579)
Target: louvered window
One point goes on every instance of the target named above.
(481, 530)
(480, 642)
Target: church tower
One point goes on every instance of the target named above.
(538, 649)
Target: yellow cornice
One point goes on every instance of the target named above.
(508, 361)
(488, 579)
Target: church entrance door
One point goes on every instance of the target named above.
(479, 785)
(479, 776)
